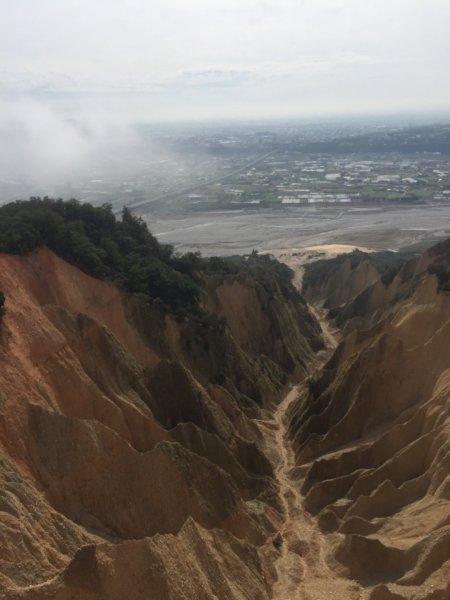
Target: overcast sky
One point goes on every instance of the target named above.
(182, 59)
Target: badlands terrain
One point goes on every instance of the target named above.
(298, 451)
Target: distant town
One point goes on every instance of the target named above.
(231, 167)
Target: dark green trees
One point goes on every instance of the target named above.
(91, 238)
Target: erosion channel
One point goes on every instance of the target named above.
(303, 569)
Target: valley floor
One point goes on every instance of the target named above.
(303, 567)
(226, 232)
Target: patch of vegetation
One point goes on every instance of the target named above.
(404, 293)
(319, 271)
(442, 272)
(311, 382)
(91, 238)
(440, 266)
(125, 252)
(277, 541)
(273, 276)
(440, 253)
(389, 263)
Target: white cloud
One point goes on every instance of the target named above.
(44, 145)
(225, 55)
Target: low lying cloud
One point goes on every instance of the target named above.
(43, 144)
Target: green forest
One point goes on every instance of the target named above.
(123, 251)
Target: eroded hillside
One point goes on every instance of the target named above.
(128, 439)
(154, 448)
(371, 434)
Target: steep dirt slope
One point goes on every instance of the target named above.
(371, 436)
(141, 457)
(352, 274)
(126, 443)
(263, 324)
(356, 295)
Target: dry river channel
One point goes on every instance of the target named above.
(302, 566)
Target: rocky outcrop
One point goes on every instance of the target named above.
(350, 275)
(356, 295)
(197, 563)
(274, 326)
(126, 439)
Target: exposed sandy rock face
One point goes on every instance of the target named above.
(372, 447)
(356, 296)
(130, 465)
(379, 298)
(144, 458)
(284, 331)
(344, 284)
(197, 563)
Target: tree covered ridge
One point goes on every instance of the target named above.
(92, 239)
(125, 252)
